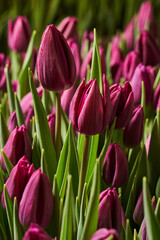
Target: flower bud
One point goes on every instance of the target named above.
(103, 234)
(17, 145)
(145, 45)
(129, 33)
(116, 63)
(138, 213)
(130, 63)
(142, 73)
(18, 179)
(56, 68)
(18, 34)
(115, 167)
(109, 215)
(36, 204)
(66, 98)
(12, 121)
(89, 110)
(51, 122)
(35, 232)
(133, 132)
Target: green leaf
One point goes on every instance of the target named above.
(152, 224)
(10, 91)
(4, 132)
(43, 131)
(8, 164)
(17, 227)
(23, 86)
(157, 210)
(128, 231)
(66, 228)
(143, 98)
(36, 152)
(135, 236)
(64, 125)
(108, 60)
(4, 107)
(19, 113)
(91, 220)
(43, 163)
(80, 145)
(2, 233)
(157, 80)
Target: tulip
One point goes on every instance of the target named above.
(145, 45)
(68, 27)
(36, 204)
(133, 132)
(129, 33)
(138, 213)
(103, 234)
(87, 39)
(122, 101)
(18, 179)
(51, 123)
(130, 63)
(17, 145)
(35, 232)
(3, 62)
(18, 34)
(115, 167)
(109, 215)
(116, 63)
(89, 110)
(66, 98)
(12, 121)
(142, 73)
(56, 68)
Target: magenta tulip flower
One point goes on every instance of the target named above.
(35, 232)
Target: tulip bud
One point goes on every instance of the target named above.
(68, 27)
(145, 45)
(103, 234)
(138, 213)
(56, 68)
(12, 121)
(133, 132)
(129, 33)
(18, 179)
(89, 110)
(122, 101)
(35, 232)
(66, 98)
(142, 73)
(17, 145)
(116, 63)
(115, 167)
(36, 204)
(109, 215)
(51, 122)
(18, 34)
(130, 63)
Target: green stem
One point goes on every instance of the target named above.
(83, 168)
(58, 125)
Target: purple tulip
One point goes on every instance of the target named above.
(138, 213)
(103, 234)
(129, 33)
(109, 215)
(133, 132)
(56, 68)
(68, 27)
(142, 73)
(66, 98)
(18, 34)
(36, 204)
(115, 167)
(130, 63)
(89, 110)
(116, 63)
(17, 145)
(18, 179)
(145, 45)
(12, 121)
(122, 101)
(35, 232)
(51, 122)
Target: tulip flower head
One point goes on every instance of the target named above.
(104, 233)
(35, 232)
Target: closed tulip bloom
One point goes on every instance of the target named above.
(138, 213)
(115, 167)
(145, 45)
(130, 63)
(116, 63)
(18, 34)
(89, 110)
(17, 145)
(36, 204)
(129, 33)
(122, 101)
(35, 232)
(51, 122)
(142, 73)
(109, 215)
(104, 233)
(133, 132)
(66, 98)
(12, 121)
(18, 179)
(56, 68)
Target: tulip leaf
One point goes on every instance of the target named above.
(91, 220)
(135, 236)
(157, 210)
(46, 101)
(143, 98)
(66, 227)
(152, 224)
(64, 124)
(8, 164)
(19, 113)
(133, 152)
(108, 60)
(9, 210)
(4, 132)
(111, 237)
(18, 231)
(35, 152)
(2, 233)
(80, 145)
(43, 131)
(157, 80)
(43, 163)
(96, 71)
(4, 107)
(10, 91)
(1, 179)
(23, 86)
(128, 231)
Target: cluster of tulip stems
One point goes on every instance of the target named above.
(80, 132)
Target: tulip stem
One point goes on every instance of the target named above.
(83, 168)
(58, 125)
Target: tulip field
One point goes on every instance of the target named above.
(80, 121)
